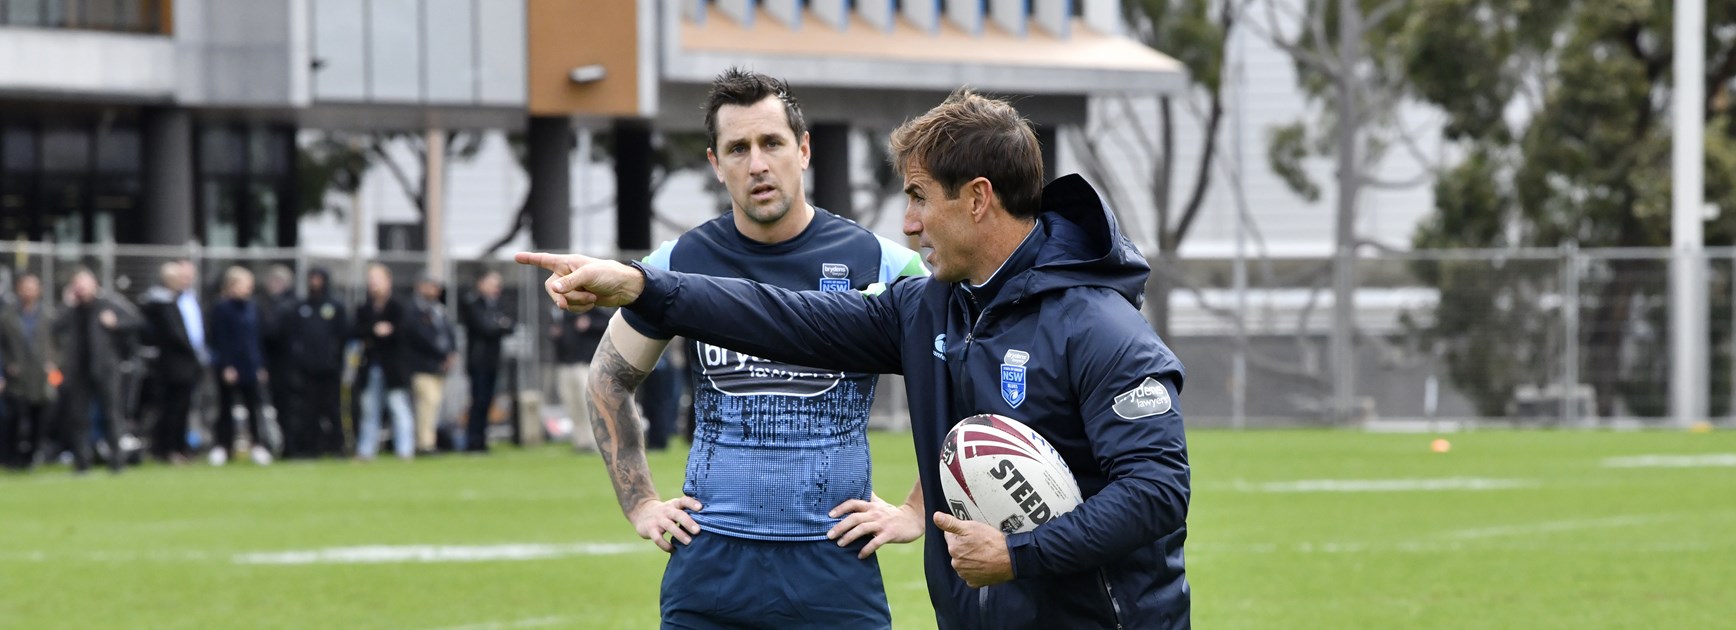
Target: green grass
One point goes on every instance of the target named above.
(1575, 545)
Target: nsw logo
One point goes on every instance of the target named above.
(1013, 377)
(940, 346)
(834, 277)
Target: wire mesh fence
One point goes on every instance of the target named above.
(1561, 337)
(1545, 337)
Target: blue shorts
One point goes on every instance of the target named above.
(722, 581)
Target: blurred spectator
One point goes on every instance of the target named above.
(88, 334)
(384, 378)
(27, 346)
(485, 324)
(576, 336)
(317, 331)
(660, 398)
(432, 352)
(176, 327)
(276, 303)
(240, 365)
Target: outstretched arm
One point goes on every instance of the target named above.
(623, 360)
(840, 331)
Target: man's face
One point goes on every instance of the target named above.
(429, 291)
(759, 160)
(941, 225)
(29, 289)
(241, 287)
(489, 285)
(315, 283)
(379, 283)
(84, 287)
(189, 276)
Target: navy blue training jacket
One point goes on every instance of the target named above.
(1059, 345)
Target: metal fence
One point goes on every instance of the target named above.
(1562, 337)
(129, 270)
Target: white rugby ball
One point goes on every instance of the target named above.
(996, 470)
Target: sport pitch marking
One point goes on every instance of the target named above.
(1715, 460)
(1386, 485)
(1552, 527)
(377, 554)
(535, 622)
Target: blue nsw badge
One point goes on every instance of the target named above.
(834, 277)
(1013, 377)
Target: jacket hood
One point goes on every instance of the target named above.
(1084, 247)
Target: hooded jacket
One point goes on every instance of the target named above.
(1055, 340)
(318, 330)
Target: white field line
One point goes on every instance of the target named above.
(376, 554)
(1446, 546)
(535, 622)
(1718, 460)
(1386, 485)
(1551, 527)
(370, 554)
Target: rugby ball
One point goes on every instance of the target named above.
(996, 470)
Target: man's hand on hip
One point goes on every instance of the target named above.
(883, 522)
(654, 519)
(580, 283)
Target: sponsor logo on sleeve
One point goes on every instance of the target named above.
(1149, 398)
(940, 346)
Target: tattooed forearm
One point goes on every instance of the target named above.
(615, 421)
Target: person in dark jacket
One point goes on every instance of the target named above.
(240, 365)
(997, 329)
(176, 330)
(318, 329)
(576, 336)
(432, 351)
(27, 344)
(384, 378)
(89, 333)
(276, 305)
(486, 322)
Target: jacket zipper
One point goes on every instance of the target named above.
(1109, 591)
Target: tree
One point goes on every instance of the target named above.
(1347, 64)
(1562, 107)
(1195, 33)
(672, 152)
(333, 162)
(327, 164)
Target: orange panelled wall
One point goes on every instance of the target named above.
(566, 34)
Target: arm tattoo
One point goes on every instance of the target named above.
(615, 422)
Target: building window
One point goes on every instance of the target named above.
(244, 184)
(127, 16)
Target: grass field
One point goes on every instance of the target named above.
(1288, 530)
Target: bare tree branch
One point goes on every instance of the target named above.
(1396, 184)
(1274, 36)
(1407, 139)
(1317, 26)
(411, 191)
(1382, 12)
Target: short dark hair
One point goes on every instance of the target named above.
(742, 87)
(969, 136)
